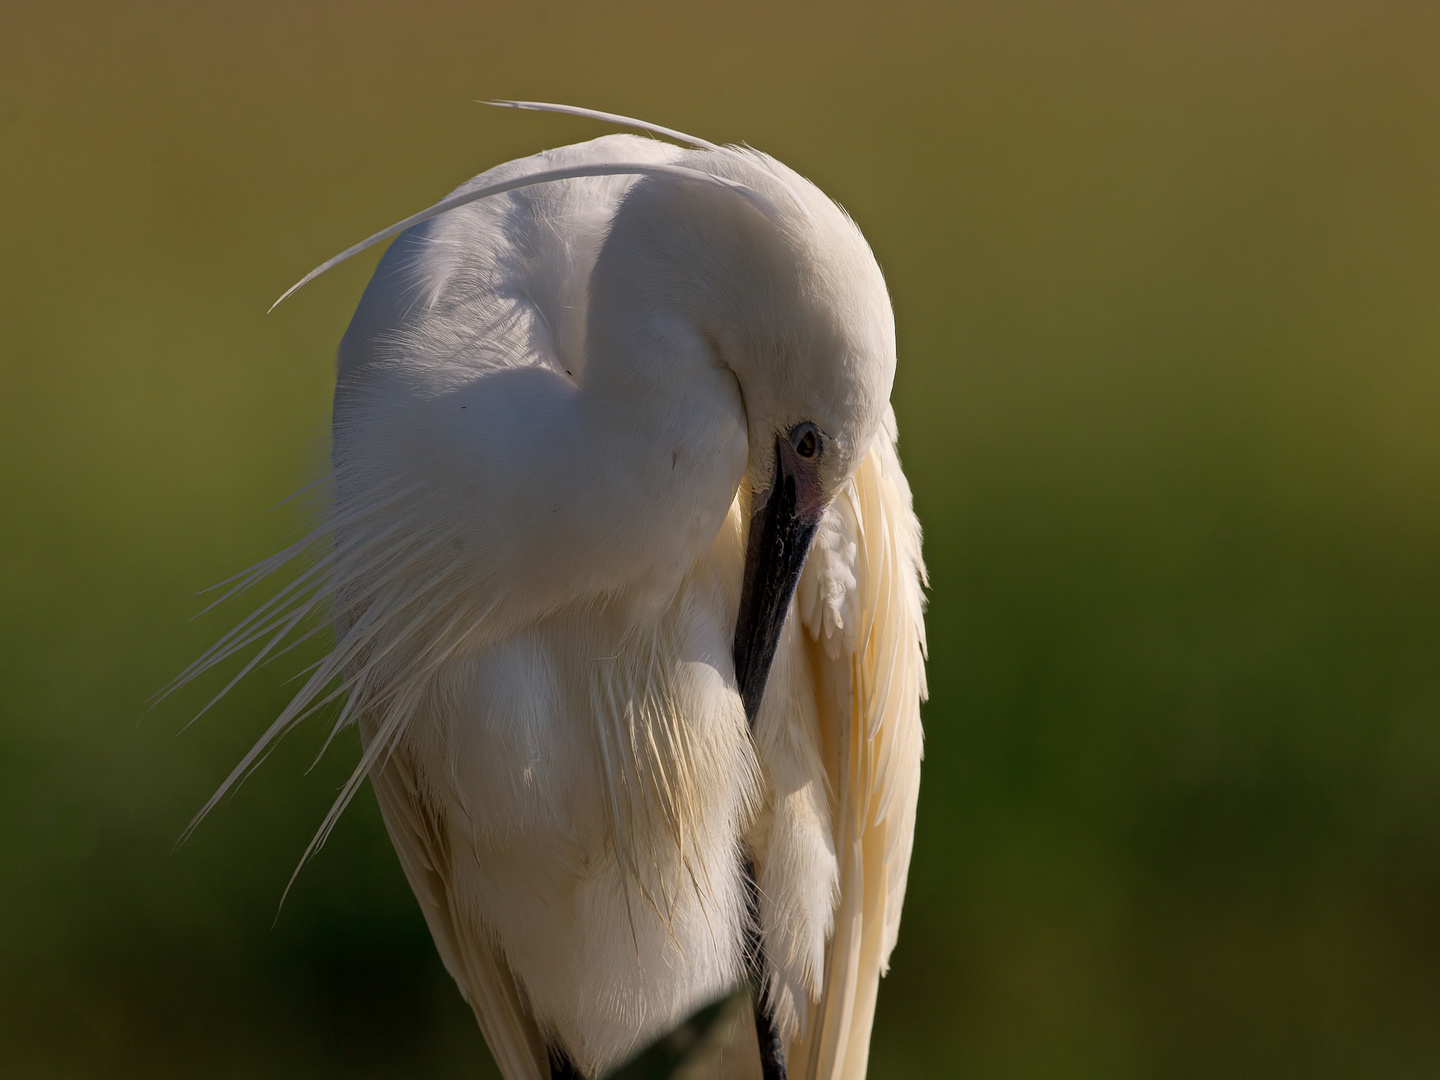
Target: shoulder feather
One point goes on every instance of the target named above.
(421, 841)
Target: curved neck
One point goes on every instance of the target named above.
(662, 443)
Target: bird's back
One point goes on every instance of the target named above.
(498, 283)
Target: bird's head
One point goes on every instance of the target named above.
(782, 290)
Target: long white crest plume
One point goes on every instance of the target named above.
(609, 118)
(614, 168)
(654, 129)
(463, 198)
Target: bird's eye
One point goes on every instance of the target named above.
(805, 438)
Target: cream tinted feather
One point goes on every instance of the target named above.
(871, 695)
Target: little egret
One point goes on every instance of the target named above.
(602, 419)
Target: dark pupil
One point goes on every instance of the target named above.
(806, 446)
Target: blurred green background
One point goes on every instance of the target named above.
(1167, 279)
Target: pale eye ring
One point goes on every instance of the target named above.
(805, 439)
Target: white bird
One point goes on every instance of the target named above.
(592, 413)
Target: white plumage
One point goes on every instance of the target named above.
(555, 410)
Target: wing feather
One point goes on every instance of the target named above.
(420, 840)
(870, 700)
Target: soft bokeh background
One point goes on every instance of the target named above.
(1168, 286)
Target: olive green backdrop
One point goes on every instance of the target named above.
(1167, 279)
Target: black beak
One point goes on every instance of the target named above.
(782, 525)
